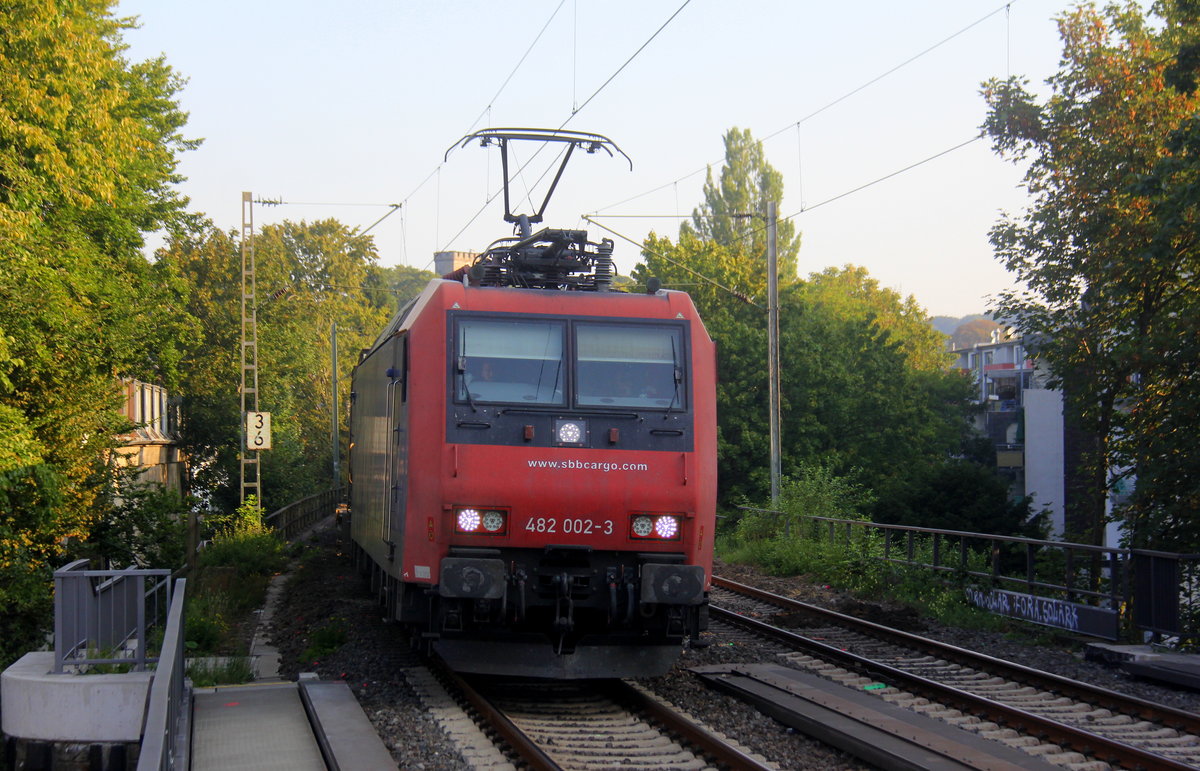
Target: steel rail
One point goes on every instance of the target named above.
(1060, 733)
(1179, 719)
(697, 736)
(508, 731)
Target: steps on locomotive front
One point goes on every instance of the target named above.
(286, 726)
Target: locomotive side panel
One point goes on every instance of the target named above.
(372, 445)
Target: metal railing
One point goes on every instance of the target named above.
(165, 734)
(293, 519)
(103, 616)
(1157, 593)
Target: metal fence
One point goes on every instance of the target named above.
(1096, 590)
(293, 519)
(165, 733)
(107, 616)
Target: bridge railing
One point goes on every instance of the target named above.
(296, 517)
(1096, 590)
(165, 734)
(105, 616)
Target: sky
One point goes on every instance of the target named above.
(343, 109)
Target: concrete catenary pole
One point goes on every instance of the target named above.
(773, 344)
(333, 384)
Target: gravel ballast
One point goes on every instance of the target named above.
(324, 596)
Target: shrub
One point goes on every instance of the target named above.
(242, 541)
(248, 516)
(226, 670)
(791, 544)
(249, 552)
(145, 526)
(207, 623)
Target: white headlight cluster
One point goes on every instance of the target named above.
(570, 432)
(481, 521)
(661, 527)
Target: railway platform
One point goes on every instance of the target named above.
(1149, 663)
(290, 726)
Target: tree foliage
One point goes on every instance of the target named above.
(1106, 252)
(310, 276)
(733, 208)
(865, 389)
(88, 146)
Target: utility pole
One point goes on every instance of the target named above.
(333, 385)
(772, 216)
(251, 482)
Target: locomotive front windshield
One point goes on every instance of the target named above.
(525, 361)
(510, 361)
(629, 365)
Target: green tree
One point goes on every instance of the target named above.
(88, 146)
(861, 396)
(863, 375)
(727, 216)
(1161, 416)
(310, 276)
(1105, 284)
(956, 495)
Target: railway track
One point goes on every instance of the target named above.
(1073, 723)
(569, 725)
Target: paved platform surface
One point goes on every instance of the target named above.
(344, 727)
(1179, 669)
(261, 727)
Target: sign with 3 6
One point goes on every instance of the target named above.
(258, 430)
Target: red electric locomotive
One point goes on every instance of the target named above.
(534, 463)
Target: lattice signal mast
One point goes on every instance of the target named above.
(251, 479)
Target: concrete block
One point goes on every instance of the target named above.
(36, 704)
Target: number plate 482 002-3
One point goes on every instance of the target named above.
(569, 526)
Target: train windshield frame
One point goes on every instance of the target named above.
(638, 365)
(578, 363)
(510, 361)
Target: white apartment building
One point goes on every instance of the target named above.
(1022, 418)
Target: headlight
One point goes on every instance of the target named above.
(481, 521)
(570, 432)
(659, 527)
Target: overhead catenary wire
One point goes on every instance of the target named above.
(393, 207)
(516, 67)
(736, 293)
(487, 108)
(804, 209)
(574, 111)
(759, 229)
(821, 109)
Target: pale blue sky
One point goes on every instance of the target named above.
(356, 103)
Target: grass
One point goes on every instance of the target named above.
(220, 670)
(231, 582)
(858, 568)
(325, 640)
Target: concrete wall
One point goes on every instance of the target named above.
(38, 705)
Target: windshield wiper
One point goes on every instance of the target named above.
(462, 373)
(676, 375)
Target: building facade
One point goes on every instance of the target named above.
(1023, 420)
(152, 447)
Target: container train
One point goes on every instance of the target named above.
(533, 462)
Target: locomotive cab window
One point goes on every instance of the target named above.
(509, 361)
(630, 365)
